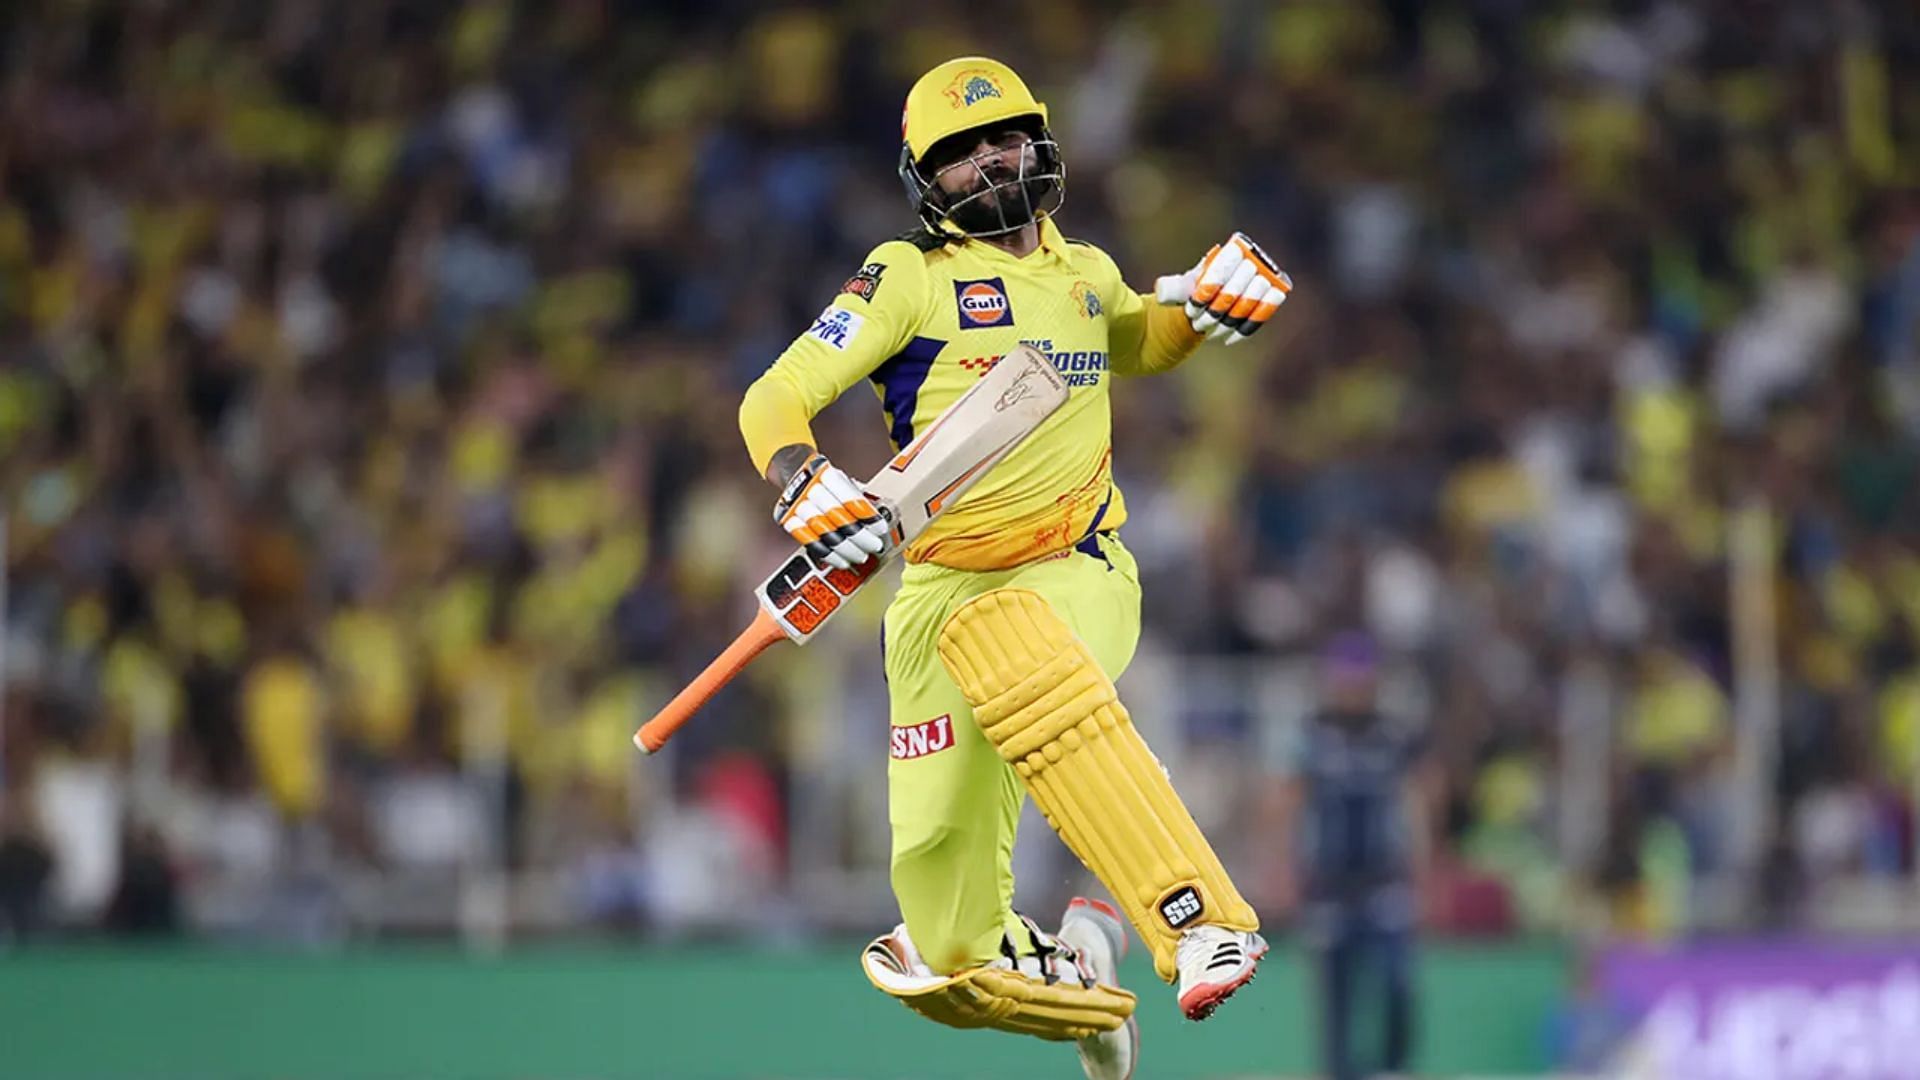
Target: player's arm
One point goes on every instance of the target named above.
(1141, 338)
(1146, 339)
(871, 318)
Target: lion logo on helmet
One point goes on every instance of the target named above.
(971, 88)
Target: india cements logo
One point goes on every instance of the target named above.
(971, 88)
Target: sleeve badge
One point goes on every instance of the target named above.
(865, 283)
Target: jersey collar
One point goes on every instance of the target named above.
(1053, 244)
(1052, 240)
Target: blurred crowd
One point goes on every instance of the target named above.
(367, 388)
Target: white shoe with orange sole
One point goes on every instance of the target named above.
(1213, 963)
(1094, 930)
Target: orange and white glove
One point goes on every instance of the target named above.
(1232, 291)
(825, 510)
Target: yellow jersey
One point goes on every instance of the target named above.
(924, 317)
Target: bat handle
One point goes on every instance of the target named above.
(753, 641)
(895, 537)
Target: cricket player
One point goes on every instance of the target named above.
(1363, 792)
(1020, 606)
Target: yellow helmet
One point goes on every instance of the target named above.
(969, 92)
(964, 95)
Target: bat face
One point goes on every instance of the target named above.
(963, 443)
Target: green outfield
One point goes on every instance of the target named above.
(677, 1014)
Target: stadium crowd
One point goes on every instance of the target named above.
(368, 373)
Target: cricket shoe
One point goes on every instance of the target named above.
(1214, 962)
(1094, 930)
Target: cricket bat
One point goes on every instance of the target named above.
(922, 482)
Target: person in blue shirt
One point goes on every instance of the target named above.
(1360, 820)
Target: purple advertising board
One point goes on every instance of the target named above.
(1769, 1010)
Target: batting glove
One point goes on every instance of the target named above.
(1231, 292)
(823, 509)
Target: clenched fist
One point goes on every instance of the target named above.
(823, 509)
(1232, 291)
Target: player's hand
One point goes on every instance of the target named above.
(823, 509)
(1232, 291)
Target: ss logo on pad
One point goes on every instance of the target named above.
(1181, 907)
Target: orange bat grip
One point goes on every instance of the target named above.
(753, 641)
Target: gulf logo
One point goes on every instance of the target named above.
(982, 304)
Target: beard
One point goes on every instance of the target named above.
(999, 204)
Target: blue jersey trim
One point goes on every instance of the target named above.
(899, 378)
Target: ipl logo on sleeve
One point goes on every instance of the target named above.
(837, 327)
(982, 304)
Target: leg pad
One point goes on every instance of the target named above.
(1052, 713)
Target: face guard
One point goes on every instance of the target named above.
(1003, 202)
